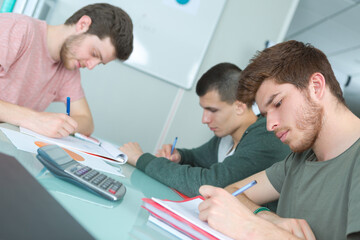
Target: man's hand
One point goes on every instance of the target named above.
(223, 211)
(226, 214)
(165, 152)
(55, 125)
(133, 151)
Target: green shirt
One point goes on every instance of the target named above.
(326, 194)
(257, 150)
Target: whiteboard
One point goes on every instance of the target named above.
(171, 36)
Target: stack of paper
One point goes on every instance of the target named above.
(180, 218)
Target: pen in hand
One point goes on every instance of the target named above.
(173, 146)
(68, 106)
(246, 187)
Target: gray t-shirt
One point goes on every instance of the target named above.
(325, 194)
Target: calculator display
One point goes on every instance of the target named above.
(58, 156)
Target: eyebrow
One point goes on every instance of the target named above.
(271, 99)
(210, 108)
(207, 107)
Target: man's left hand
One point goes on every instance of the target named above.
(133, 151)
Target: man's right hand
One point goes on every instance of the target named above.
(165, 152)
(226, 214)
(55, 125)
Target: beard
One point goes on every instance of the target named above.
(310, 119)
(67, 50)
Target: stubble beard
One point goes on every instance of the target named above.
(310, 122)
(67, 49)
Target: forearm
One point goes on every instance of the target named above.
(85, 124)
(243, 198)
(55, 125)
(14, 114)
(263, 192)
(262, 229)
(203, 156)
(180, 177)
(81, 113)
(252, 206)
(257, 228)
(196, 157)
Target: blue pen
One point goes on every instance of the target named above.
(246, 187)
(68, 106)
(173, 146)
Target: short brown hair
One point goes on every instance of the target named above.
(223, 78)
(108, 21)
(288, 62)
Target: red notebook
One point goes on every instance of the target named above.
(182, 216)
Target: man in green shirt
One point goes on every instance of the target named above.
(318, 185)
(241, 145)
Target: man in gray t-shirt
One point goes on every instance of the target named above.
(310, 189)
(318, 185)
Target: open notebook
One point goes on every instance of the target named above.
(106, 150)
(181, 216)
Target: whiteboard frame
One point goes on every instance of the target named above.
(171, 39)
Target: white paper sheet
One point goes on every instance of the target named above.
(26, 143)
(84, 146)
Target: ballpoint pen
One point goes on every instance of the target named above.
(246, 187)
(173, 146)
(68, 106)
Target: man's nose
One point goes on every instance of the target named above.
(92, 63)
(205, 118)
(271, 122)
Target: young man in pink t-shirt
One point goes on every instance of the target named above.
(39, 64)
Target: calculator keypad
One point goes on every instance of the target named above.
(96, 178)
(82, 171)
(91, 175)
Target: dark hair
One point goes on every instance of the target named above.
(108, 21)
(288, 62)
(224, 78)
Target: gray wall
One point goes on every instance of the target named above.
(129, 105)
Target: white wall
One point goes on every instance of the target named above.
(129, 105)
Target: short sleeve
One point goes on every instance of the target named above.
(277, 173)
(11, 36)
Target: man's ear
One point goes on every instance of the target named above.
(317, 85)
(83, 24)
(239, 107)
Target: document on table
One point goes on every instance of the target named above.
(27, 143)
(106, 150)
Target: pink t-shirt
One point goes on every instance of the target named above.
(29, 77)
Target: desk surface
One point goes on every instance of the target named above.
(101, 218)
